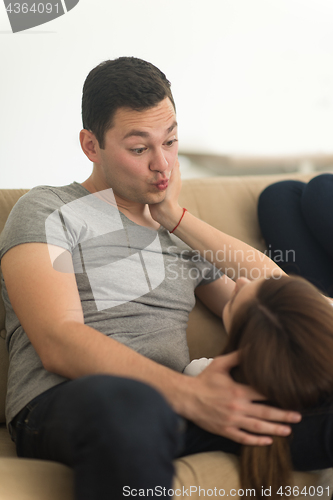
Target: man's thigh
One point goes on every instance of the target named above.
(113, 431)
(103, 411)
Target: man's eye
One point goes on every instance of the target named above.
(170, 143)
(138, 151)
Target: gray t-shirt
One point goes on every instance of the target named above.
(136, 284)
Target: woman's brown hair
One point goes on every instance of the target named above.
(285, 338)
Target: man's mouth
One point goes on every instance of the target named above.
(162, 185)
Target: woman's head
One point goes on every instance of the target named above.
(284, 331)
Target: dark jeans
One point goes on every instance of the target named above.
(296, 220)
(116, 432)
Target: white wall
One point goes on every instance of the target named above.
(248, 76)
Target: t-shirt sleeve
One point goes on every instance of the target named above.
(210, 273)
(207, 271)
(34, 215)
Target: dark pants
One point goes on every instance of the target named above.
(116, 432)
(296, 220)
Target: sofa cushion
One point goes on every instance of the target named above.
(219, 470)
(27, 479)
(35, 480)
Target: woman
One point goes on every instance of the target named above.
(283, 330)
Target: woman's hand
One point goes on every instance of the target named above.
(168, 211)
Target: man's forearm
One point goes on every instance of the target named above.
(209, 400)
(75, 350)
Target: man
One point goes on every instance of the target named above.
(96, 321)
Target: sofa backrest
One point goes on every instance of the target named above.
(8, 198)
(228, 203)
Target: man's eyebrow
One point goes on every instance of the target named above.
(170, 129)
(142, 133)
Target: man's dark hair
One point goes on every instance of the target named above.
(123, 82)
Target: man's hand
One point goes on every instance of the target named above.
(168, 211)
(224, 407)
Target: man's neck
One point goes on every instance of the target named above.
(136, 212)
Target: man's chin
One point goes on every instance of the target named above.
(154, 198)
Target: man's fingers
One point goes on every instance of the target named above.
(243, 437)
(257, 432)
(228, 361)
(251, 394)
(234, 414)
(264, 427)
(269, 413)
(259, 411)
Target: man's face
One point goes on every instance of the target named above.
(140, 152)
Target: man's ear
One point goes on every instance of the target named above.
(89, 145)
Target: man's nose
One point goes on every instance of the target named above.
(159, 162)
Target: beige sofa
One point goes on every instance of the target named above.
(230, 204)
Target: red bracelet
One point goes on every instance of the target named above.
(174, 229)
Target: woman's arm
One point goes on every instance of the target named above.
(234, 257)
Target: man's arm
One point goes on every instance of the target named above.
(48, 306)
